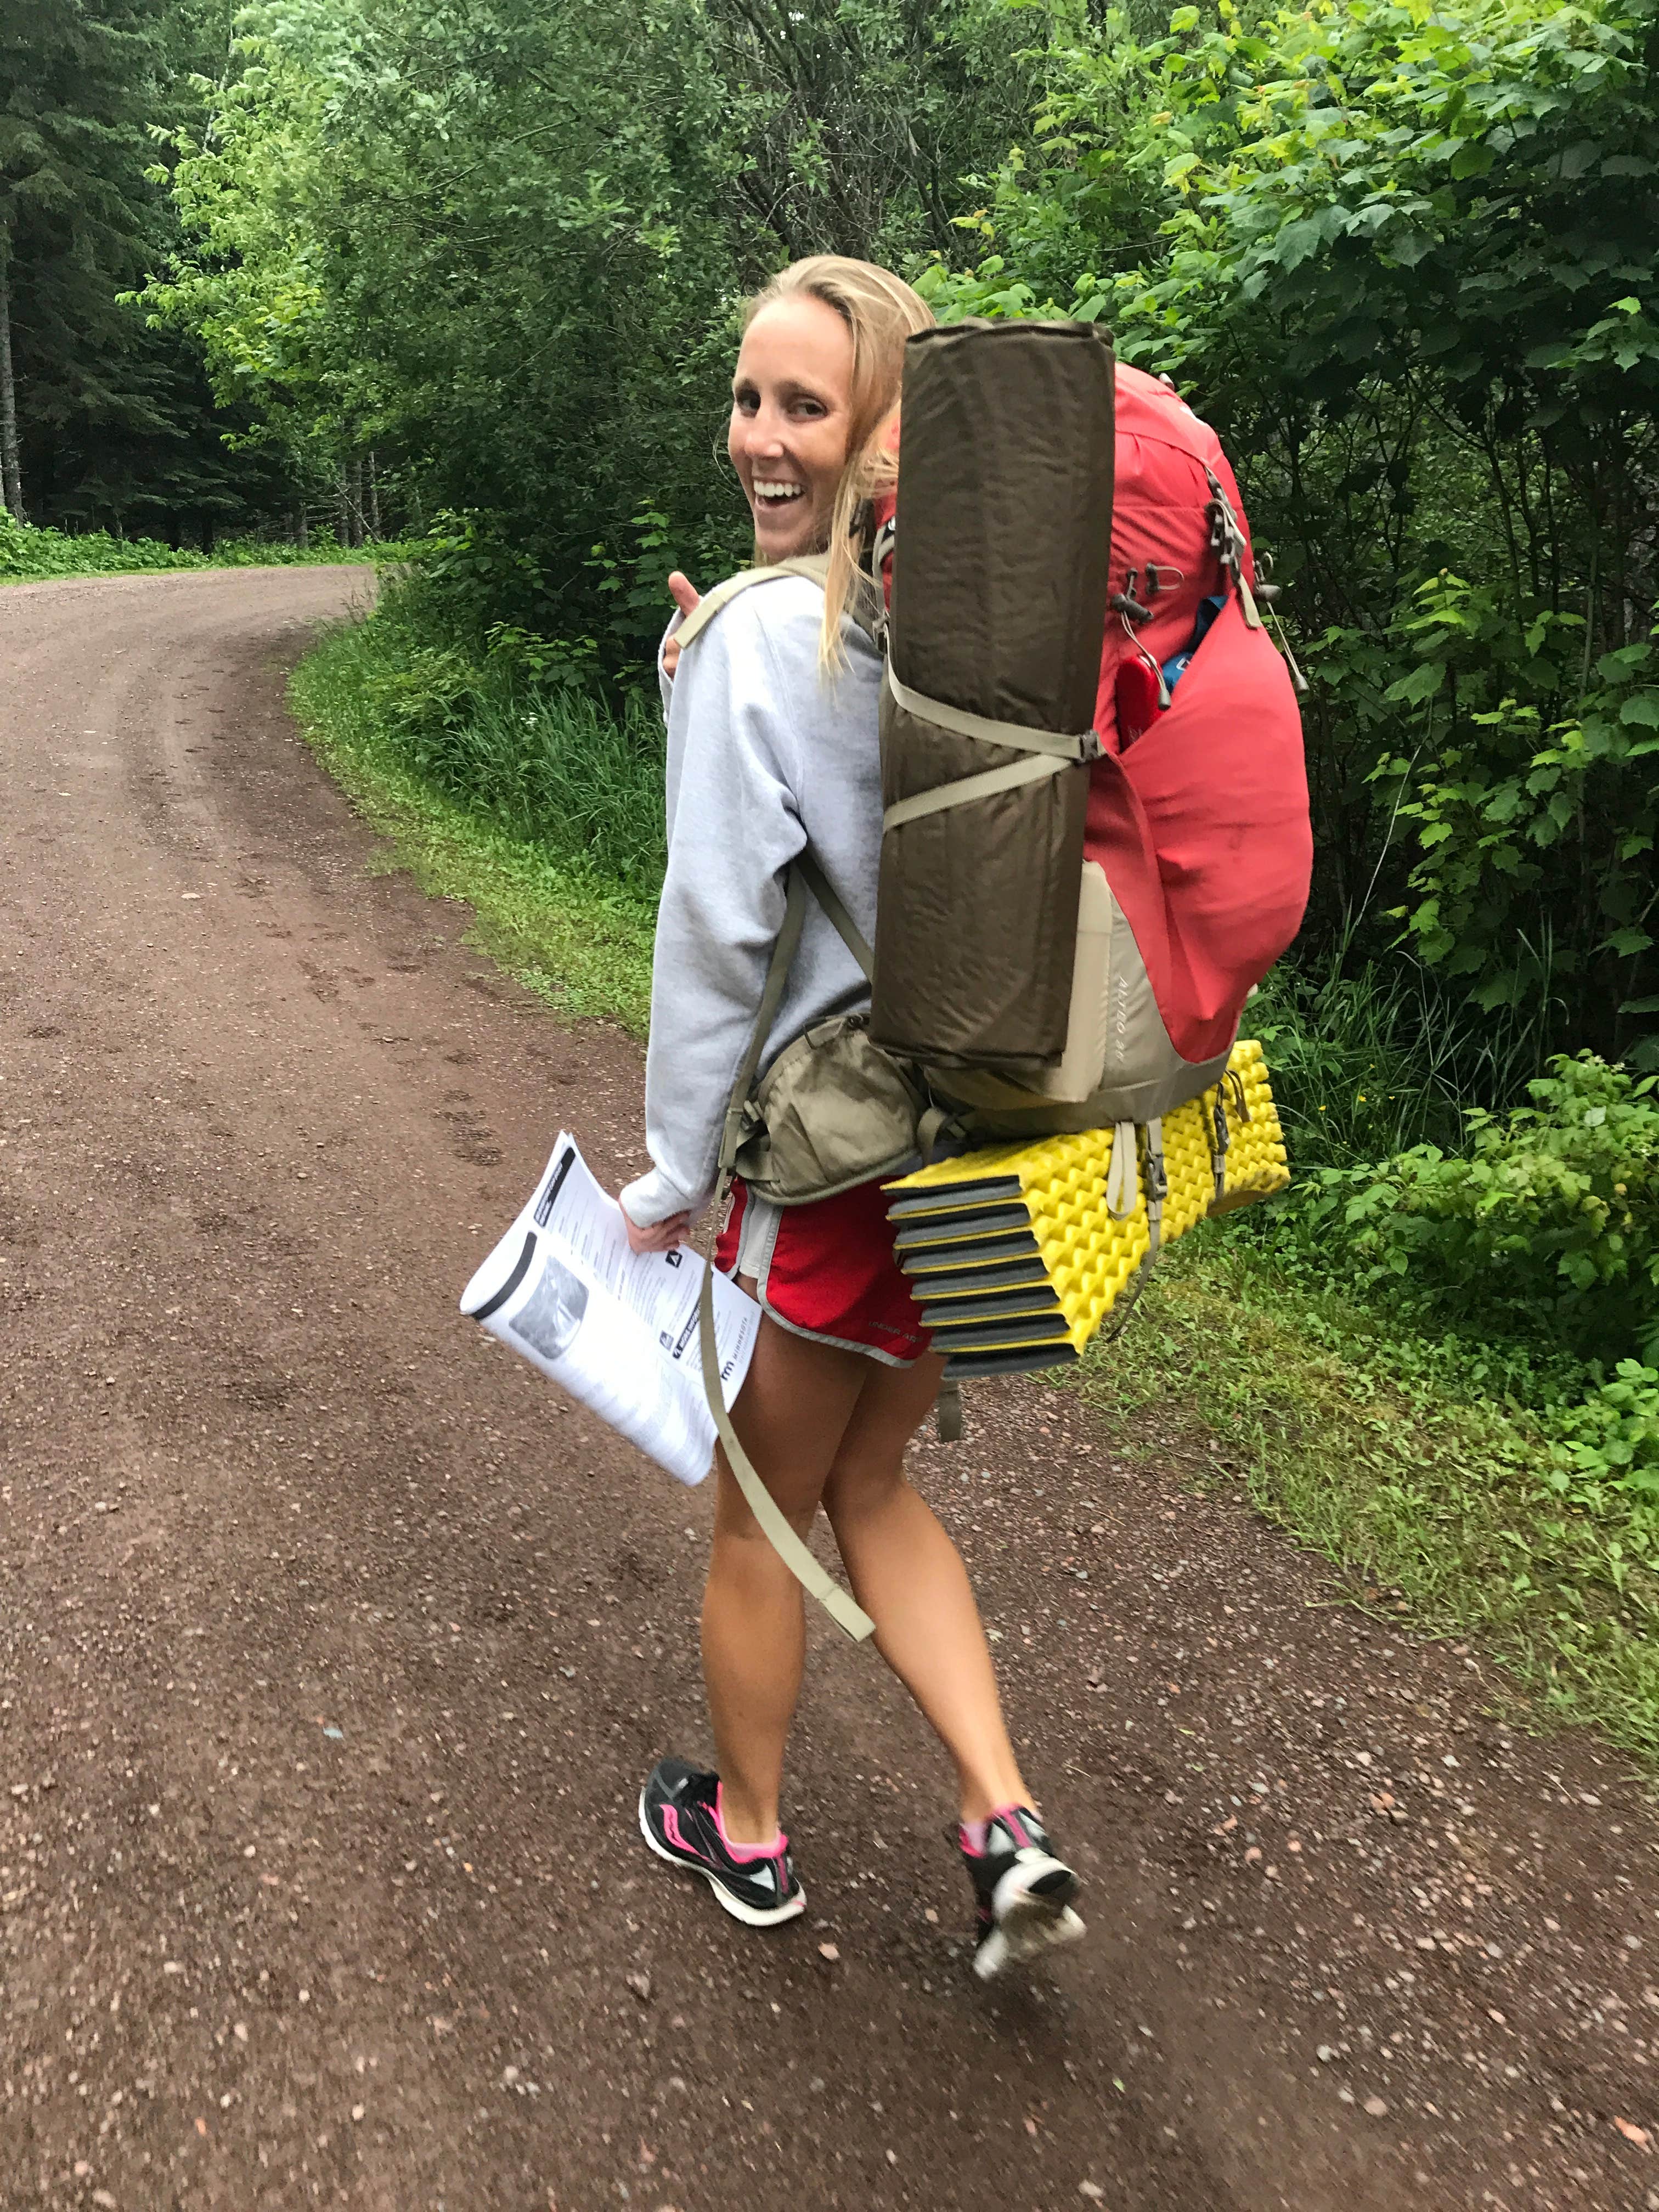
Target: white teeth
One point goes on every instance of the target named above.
(770, 490)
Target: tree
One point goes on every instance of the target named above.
(76, 84)
(857, 123)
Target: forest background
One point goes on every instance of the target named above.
(468, 274)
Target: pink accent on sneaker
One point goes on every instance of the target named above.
(973, 1833)
(671, 1828)
(743, 1853)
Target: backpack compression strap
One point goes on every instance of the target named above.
(1047, 752)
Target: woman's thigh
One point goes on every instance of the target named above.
(891, 1405)
(791, 1416)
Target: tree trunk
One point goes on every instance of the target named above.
(11, 472)
(373, 498)
(352, 478)
(302, 527)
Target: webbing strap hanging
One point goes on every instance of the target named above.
(1221, 1137)
(1123, 1182)
(1231, 546)
(1158, 1189)
(842, 1609)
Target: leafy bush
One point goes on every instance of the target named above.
(1549, 1225)
(1610, 1440)
(30, 555)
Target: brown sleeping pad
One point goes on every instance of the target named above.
(998, 605)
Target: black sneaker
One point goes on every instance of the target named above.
(679, 1817)
(1025, 1894)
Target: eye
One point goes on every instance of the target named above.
(745, 400)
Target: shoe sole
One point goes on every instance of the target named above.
(1034, 1916)
(751, 1916)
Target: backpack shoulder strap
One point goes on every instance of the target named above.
(814, 567)
(829, 899)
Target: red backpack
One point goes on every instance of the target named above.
(1197, 816)
(1198, 807)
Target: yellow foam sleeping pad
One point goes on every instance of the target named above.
(1018, 1252)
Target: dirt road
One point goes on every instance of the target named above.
(335, 1645)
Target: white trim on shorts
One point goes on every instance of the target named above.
(757, 1245)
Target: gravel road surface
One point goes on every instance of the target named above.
(335, 1645)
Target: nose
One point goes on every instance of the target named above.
(763, 432)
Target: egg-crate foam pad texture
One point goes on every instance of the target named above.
(1089, 1257)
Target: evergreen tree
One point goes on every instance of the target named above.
(103, 418)
(77, 83)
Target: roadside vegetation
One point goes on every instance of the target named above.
(478, 266)
(28, 556)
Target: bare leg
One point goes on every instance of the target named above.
(909, 1577)
(823, 1424)
(790, 1416)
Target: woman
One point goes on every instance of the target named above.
(772, 748)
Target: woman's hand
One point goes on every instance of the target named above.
(686, 595)
(661, 1236)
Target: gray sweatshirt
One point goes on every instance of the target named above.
(764, 757)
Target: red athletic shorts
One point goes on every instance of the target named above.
(826, 1270)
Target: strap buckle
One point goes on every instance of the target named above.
(1221, 1140)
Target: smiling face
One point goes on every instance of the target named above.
(791, 421)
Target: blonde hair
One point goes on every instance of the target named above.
(881, 311)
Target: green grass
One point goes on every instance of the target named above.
(1414, 1465)
(28, 556)
(555, 921)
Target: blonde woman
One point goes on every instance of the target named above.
(772, 751)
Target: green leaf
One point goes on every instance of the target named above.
(1419, 683)
(1297, 241)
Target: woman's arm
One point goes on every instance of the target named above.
(733, 829)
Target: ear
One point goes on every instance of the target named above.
(890, 436)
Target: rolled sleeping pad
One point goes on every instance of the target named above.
(999, 604)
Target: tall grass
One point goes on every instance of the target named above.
(1368, 1064)
(543, 756)
(562, 769)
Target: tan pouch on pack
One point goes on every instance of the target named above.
(832, 1111)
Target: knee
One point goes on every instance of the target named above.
(735, 1523)
(858, 1487)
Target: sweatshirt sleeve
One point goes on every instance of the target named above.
(733, 828)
